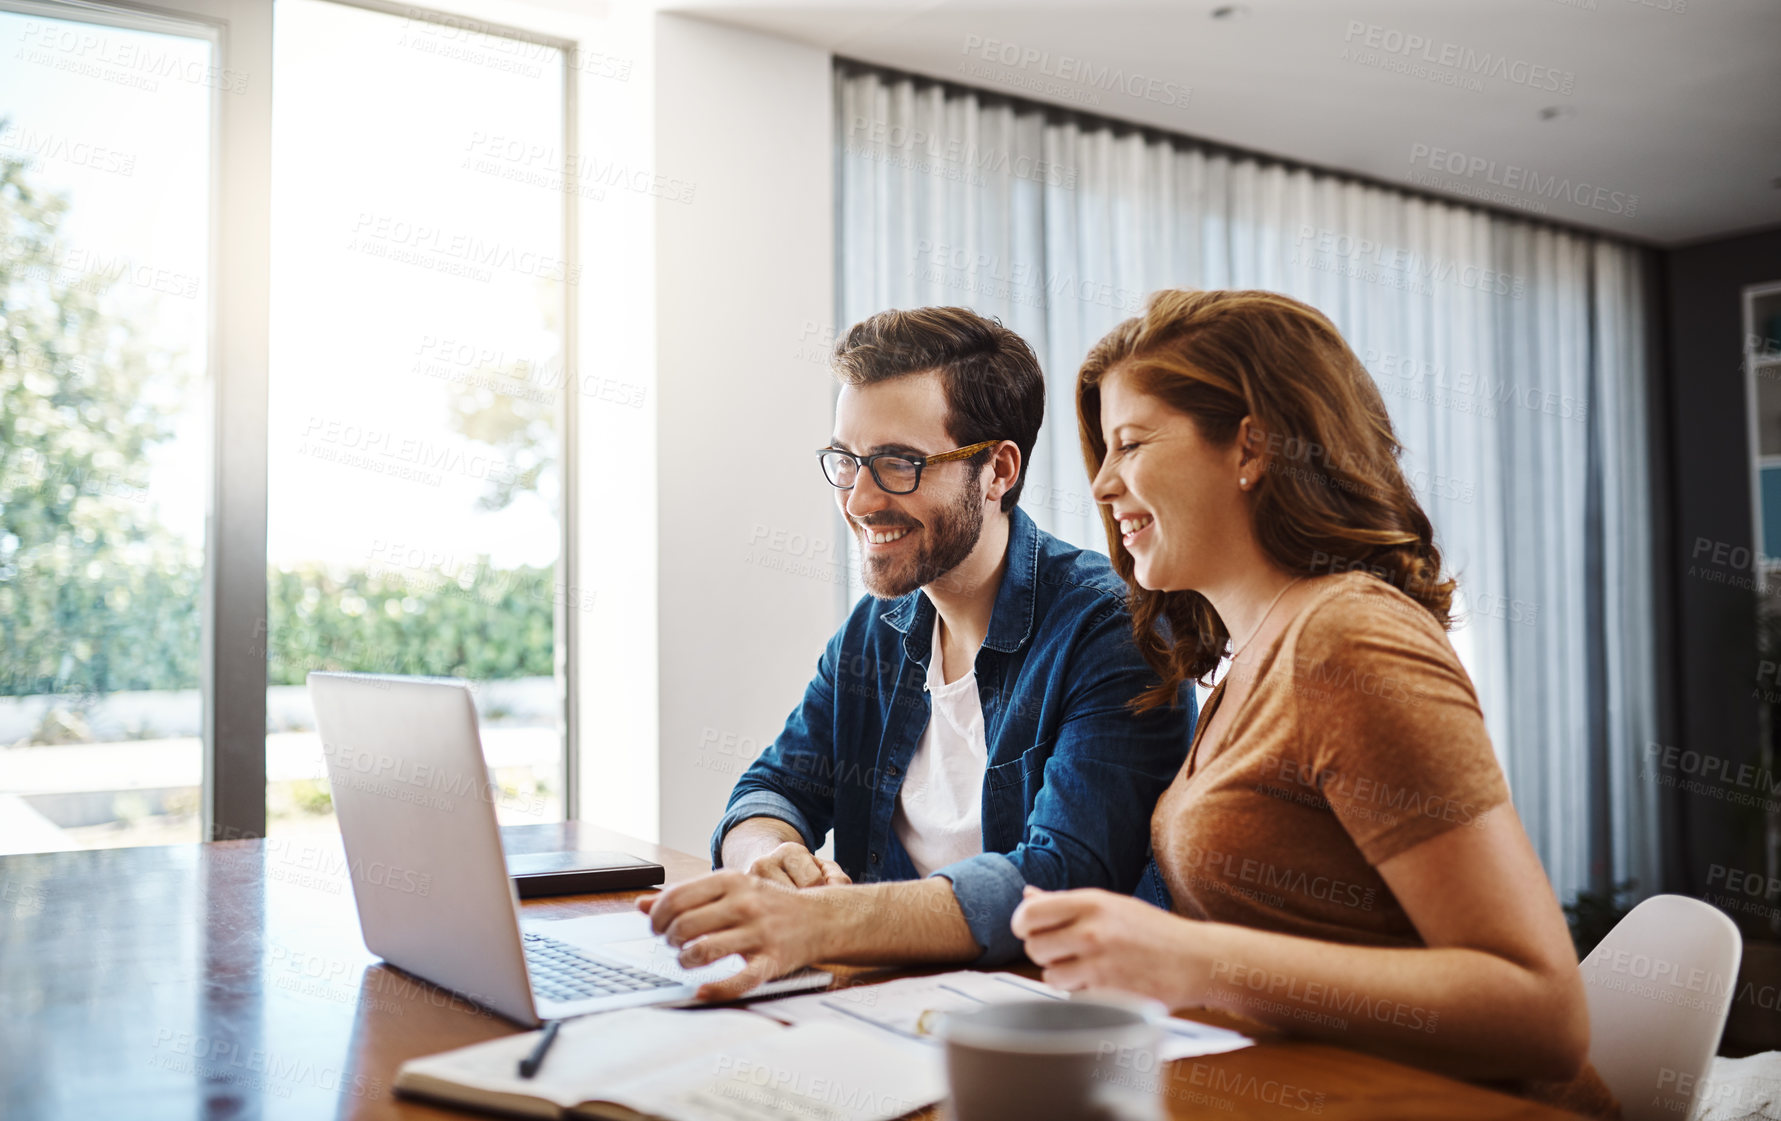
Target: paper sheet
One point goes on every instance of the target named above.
(911, 1009)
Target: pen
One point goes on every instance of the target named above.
(529, 1065)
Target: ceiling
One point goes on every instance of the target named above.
(1667, 127)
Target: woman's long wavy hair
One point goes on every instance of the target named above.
(1330, 497)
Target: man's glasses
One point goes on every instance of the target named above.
(894, 472)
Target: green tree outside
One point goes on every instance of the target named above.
(98, 596)
(95, 595)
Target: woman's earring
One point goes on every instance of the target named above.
(1243, 482)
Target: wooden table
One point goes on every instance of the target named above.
(228, 980)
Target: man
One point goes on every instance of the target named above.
(967, 732)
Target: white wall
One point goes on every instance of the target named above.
(618, 685)
(745, 571)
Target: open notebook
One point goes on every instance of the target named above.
(707, 1065)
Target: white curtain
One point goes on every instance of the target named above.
(1511, 355)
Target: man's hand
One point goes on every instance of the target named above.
(794, 865)
(773, 850)
(774, 927)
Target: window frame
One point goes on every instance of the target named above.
(232, 602)
(233, 659)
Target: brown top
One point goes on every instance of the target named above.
(1360, 738)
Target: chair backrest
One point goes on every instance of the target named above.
(1659, 986)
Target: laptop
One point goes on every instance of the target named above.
(416, 806)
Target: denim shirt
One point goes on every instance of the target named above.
(1072, 775)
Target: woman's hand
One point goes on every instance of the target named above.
(1094, 939)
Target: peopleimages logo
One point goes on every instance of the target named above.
(1410, 46)
(37, 144)
(1076, 71)
(1378, 262)
(1514, 177)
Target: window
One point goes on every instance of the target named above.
(276, 399)
(106, 140)
(420, 274)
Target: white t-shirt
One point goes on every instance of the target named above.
(939, 814)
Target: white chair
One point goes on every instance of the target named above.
(1659, 986)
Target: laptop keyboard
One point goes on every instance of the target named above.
(562, 972)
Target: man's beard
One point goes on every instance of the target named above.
(946, 542)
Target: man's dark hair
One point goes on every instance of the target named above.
(994, 388)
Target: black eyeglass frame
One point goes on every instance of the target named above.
(869, 462)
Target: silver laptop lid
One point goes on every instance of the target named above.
(417, 816)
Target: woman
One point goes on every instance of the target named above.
(1339, 849)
